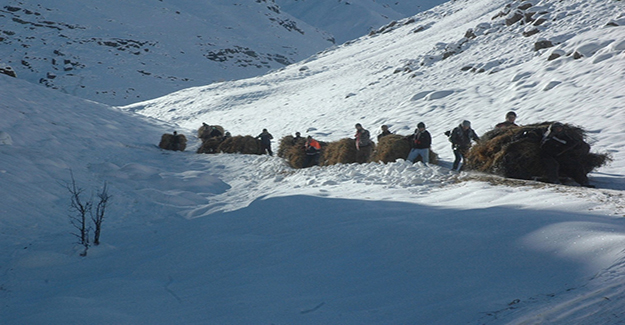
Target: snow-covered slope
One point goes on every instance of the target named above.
(238, 239)
(347, 20)
(118, 52)
(461, 60)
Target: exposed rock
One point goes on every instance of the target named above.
(531, 32)
(514, 18)
(542, 44)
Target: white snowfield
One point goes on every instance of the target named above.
(241, 239)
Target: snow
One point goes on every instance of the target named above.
(245, 239)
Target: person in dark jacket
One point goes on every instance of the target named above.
(555, 154)
(384, 133)
(175, 142)
(265, 141)
(313, 149)
(510, 118)
(460, 138)
(420, 143)
(363, 144)
(296, 138)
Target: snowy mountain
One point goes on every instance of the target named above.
(121, 52)
(347, 20)
(245, 239)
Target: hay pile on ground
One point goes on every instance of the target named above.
(392, 147)
(288, 142)
(515, 152)
(210, 145)
(295, 151)
(241, 144)
(395, 146)
(292, 151)
(173, 142)
(204, 132)
(339, 152)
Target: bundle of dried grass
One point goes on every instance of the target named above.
(395, 146)
(241, 144)
(292, 150)
(286, 143)
(392, 147)
(177, 142)
(339, 152)
(204, 132)
(210, 145)
(515, 152)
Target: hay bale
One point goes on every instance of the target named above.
(515, 152)
(339, 152)
(392, 147)
(210, 145)
(395, 146)
(286, 143)
(204, 132)
(241, 144)
(295, 154)
(173, 142)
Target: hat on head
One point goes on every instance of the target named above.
(511, 113)
(555, 125)
(421, 125)
(466, 123)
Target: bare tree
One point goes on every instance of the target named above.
(98, 217)
(79, 218)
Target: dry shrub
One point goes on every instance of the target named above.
(210, 145)
(241, 144)
(168, 143)
(515, 152)
(204, 131)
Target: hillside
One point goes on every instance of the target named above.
(347, 20)
(245, 239)
(123, 52)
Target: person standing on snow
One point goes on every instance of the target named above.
(363, 144)
(313, 149)
(265, 141)
(555, 154)
(420, 143)
(460, 138)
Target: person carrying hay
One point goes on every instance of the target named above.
(313, 150)
(176, 142)
(555, 147)
(510, 118)
(363, 144)
(265, 141)
(420, 143)
(384, 133)
(460, 138)
(296, 138)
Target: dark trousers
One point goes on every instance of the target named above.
(362, 154)
(311, 160)
(459, 154)
(267, 147)
(568, 165)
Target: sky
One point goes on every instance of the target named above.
(239, 239)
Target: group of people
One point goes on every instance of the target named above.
(553, 143)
